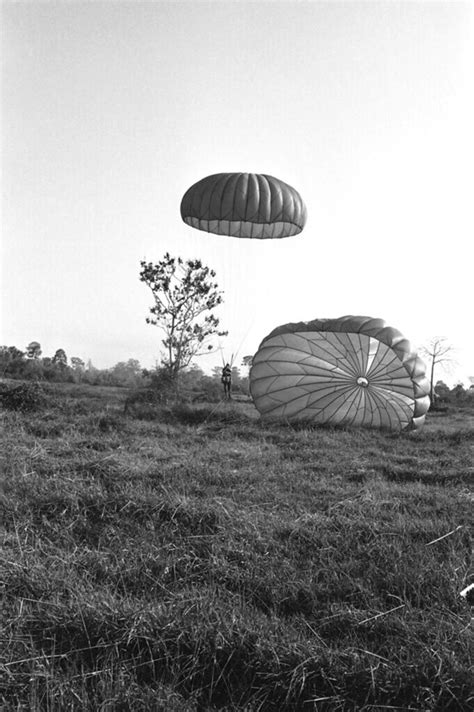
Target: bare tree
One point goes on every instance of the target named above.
(439, 351)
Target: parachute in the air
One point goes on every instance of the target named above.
(244, 205)
(354, 370)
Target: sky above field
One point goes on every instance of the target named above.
(110, 111)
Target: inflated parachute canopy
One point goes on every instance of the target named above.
(354, 370)
(244, 205)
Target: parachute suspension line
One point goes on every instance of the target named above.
(222, 354)
(234, 355)
(224, 361)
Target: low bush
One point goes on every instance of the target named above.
(25, 397)
(144, 403)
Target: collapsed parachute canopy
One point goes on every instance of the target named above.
(354, 370)
(244, 205)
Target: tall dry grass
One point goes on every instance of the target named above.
(198, 559)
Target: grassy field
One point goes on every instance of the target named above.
(194, 558)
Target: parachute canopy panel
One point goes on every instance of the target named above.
(353, 370)
(244, 205)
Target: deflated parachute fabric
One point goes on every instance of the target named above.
(244, 205)
(354, 370)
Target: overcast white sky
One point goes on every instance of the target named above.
(110, 111)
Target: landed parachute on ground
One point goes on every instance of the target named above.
(354, 370)
(244, 205)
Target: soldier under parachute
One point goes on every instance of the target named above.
(226, 380)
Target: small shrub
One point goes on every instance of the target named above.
(25, 397)
(143, 403)
(110, 422)
(187, 415)
(210, 390)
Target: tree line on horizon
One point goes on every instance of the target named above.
(31, 365)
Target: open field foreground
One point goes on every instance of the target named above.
(194, 558)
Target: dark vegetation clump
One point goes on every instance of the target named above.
(28, 396)
(204, 560)
(146, 403)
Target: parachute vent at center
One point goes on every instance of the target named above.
(247, 205)
(354, 370)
